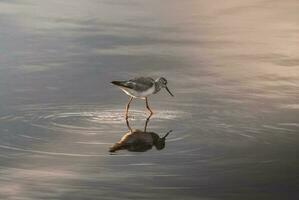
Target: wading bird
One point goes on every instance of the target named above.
(139, 141)
(141, 88)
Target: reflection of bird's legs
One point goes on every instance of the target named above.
(147, 106)
(128, 125)
(146, 122)
(128, 106)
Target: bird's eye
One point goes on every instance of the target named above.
(163, 81)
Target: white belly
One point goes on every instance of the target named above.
(140, 95)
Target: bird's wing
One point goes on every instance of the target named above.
(138, 84)
(139, 145)
(141, 83)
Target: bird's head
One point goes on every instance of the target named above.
(160, 143)
(163, 84)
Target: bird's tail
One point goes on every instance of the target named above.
(122, 84)
(118, 83)
(115, 147)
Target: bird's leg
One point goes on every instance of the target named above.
(128, 125)
(146, 122)
(147, 106)
(128, 106)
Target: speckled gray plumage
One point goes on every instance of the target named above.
(138, 84)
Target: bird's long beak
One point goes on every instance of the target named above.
(168, 91)
(166, 134)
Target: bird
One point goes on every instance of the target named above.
(139, 141)
(142, 87)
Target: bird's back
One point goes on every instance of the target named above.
(138, 84)
(137, 141)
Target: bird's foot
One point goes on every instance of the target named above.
(151, 113)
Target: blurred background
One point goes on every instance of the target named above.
(232, 65)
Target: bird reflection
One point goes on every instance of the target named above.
(140, 141)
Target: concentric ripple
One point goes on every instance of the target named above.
(73, 130)
(79, 118)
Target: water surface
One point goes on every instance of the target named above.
(233, 67)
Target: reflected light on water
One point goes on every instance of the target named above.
(233, 66)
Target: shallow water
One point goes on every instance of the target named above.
(233, 67)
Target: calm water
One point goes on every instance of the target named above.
(234, 70)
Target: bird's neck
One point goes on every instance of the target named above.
(155, 138)
(157, 87)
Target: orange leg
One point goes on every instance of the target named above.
(147, 106)
(128, 106)
(146, 122)
(128, 125)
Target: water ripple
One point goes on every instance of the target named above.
(77, 130)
